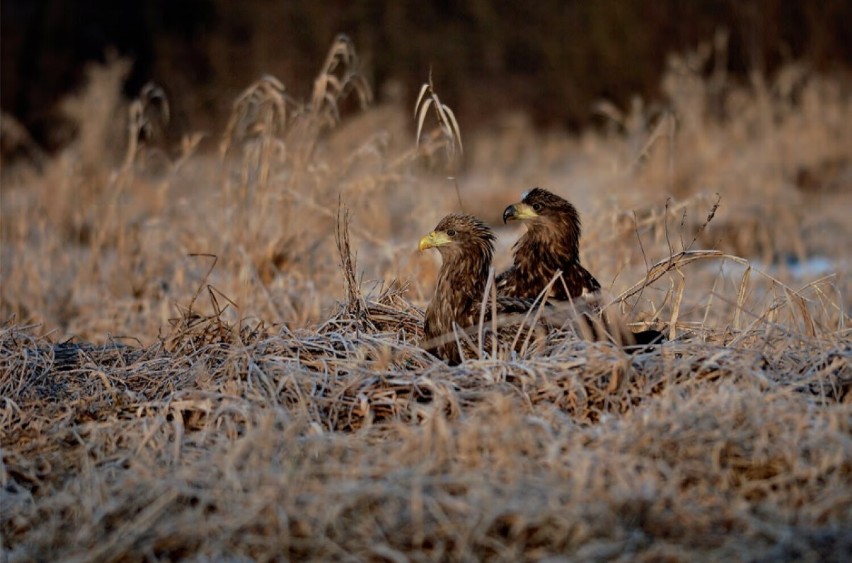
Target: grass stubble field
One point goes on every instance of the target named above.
(245, 382)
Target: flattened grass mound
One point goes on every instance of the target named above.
(349, 440)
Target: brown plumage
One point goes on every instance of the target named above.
(466, 245)
(550, 245)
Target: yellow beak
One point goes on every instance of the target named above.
(433, 240)
(518, 212)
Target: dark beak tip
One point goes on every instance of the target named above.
(508, 213)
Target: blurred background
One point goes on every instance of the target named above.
(671, 125)
(552, 58)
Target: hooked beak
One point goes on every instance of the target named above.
(433, 240)
(518, 212)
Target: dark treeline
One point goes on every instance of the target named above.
(552, 58)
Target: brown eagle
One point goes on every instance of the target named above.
(466, 245)
(552, 245)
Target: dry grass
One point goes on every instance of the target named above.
(246, 381)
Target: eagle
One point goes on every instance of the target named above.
(550, 246)
(466, 245)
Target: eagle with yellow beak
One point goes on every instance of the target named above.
(466, 245)
(550, 246)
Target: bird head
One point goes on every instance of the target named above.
(459, 232)
(539, 205)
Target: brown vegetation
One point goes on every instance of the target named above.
(245, 378)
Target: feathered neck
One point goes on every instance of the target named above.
(553, 240)
(458, 293)
(461, 281)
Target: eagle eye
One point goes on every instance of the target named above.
(537, 206)
(451, 233)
